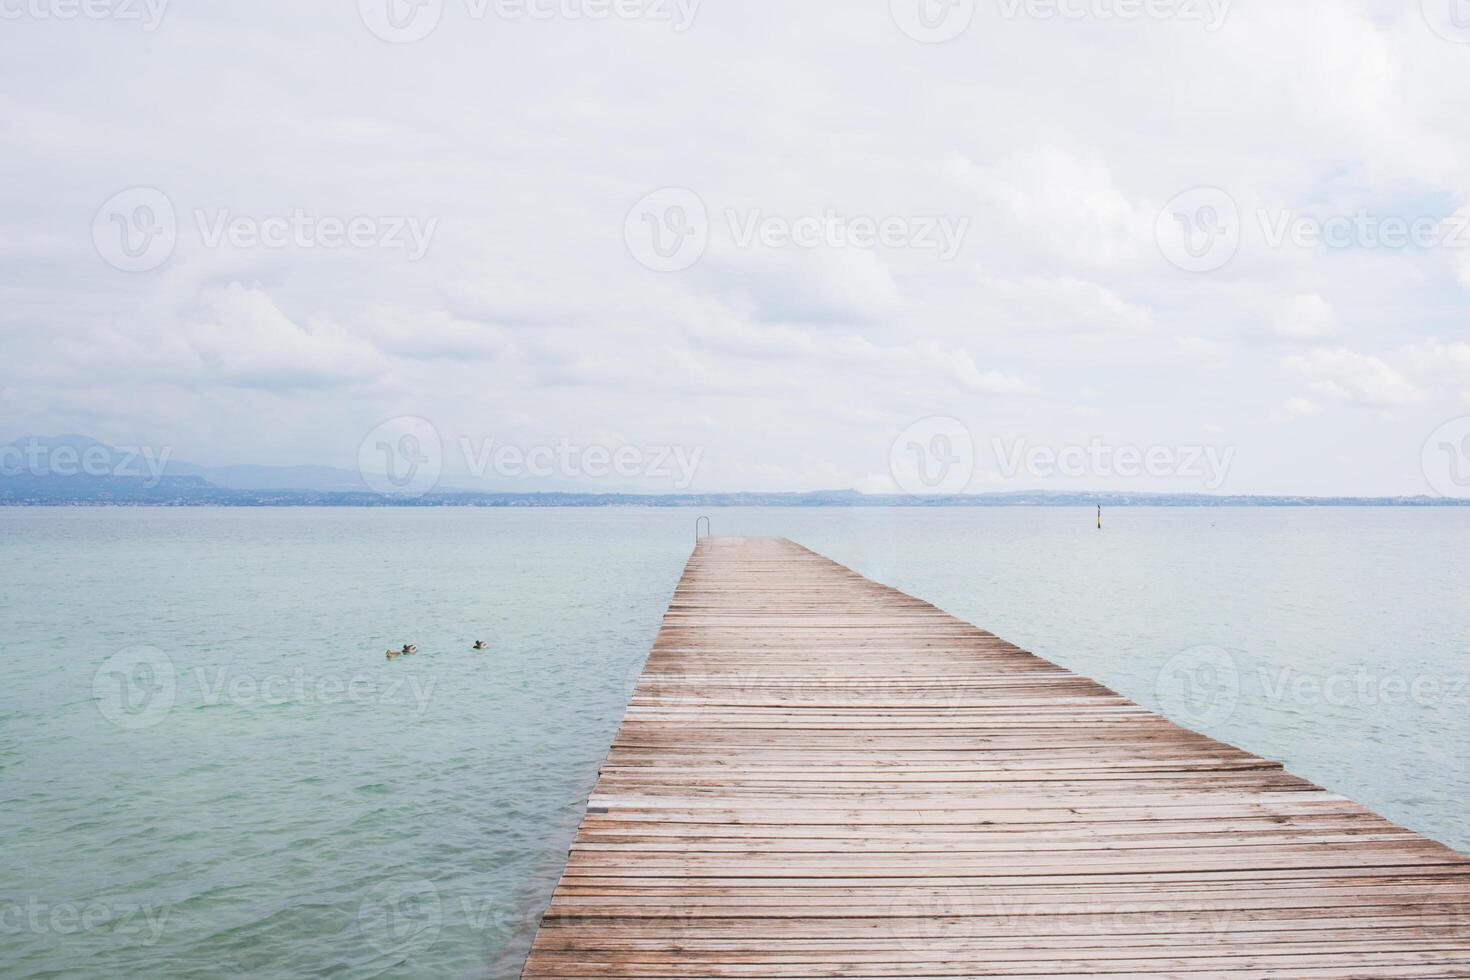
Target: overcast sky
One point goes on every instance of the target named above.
(779, 234)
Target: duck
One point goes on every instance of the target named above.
(410, 648)
(394, 654)
(481, 645)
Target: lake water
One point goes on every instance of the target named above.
(207, 764)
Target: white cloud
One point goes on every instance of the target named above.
(1296, 407)
(1362, 379)
(1442, 361)
(793, 286)
(530, 314)
(1459, 225)
(853, 357)
(1201, 347)
(433, 334)
(1068, 305)
(248, 341)
(877, 484)
(960, 367)
(1444, 365)
(1063, 202)
(1304, 317)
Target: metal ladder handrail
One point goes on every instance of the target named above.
(708, 527)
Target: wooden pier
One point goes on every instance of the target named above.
(819, 776)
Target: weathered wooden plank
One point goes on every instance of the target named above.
(819, 776)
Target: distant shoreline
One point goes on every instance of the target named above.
(163, 497)
(78, 471)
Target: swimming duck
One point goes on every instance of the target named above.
(481, 645)
(393, 654)
(410, 648)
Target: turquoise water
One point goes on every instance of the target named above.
(208, 765)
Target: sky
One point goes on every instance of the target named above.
(927, 246)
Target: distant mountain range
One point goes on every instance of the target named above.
(80, 471)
